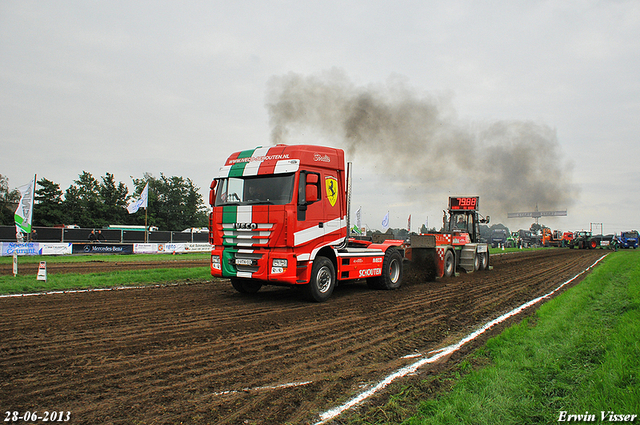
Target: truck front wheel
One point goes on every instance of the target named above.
(246, 286)
(323, 280)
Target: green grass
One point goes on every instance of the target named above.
(100, 257)
(579, 353)
(26, 283)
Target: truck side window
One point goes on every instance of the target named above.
(309, 188)
(309, 191)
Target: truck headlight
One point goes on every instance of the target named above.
(215, 262)
(278, 265)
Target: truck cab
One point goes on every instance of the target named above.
(629, 239)
(279, 217)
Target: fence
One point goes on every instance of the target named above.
(57, 234)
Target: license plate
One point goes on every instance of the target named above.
(244, 261)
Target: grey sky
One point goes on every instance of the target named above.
(175, 87)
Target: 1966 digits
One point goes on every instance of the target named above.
(54, 416)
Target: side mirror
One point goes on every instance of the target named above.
(311, 193)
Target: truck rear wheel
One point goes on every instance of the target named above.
(323, 280)
(245, 286)
(391, 277)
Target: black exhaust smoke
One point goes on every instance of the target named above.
(512, 165)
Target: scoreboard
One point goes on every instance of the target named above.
(468, 203)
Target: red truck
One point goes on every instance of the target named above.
(280, 217)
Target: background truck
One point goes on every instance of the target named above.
(629, 239)
(280, 216)
(555, 238)
(521, 238)
(499, 237)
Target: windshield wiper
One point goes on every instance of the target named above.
(263, 202)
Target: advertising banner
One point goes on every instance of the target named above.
(20, 248)
(101, 248)
(34, 248)
(184, 247)
(55, 248)
(24, 212)
(145, 248)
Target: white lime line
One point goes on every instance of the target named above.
(78, 291)
(330, 414)
(267, 387)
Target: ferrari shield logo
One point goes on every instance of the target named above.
(332, 190)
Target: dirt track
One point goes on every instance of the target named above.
(202, 353)
(99, 266)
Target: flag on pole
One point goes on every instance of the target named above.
(25, 207)
(385, 221)
(358, 218)
(409, 224)
(142, 202)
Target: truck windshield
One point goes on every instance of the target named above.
(265, 190)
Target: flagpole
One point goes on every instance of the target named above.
(145, 223)
(33, 202)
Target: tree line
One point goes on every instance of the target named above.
(174, 203)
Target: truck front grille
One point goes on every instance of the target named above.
(248, 237)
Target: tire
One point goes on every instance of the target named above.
(323, 280)
(484, 260)
(449, 264)
(476, 262)
(391, 277)
(246, 286)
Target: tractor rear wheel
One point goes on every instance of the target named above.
(449, 264)
(484, 260)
